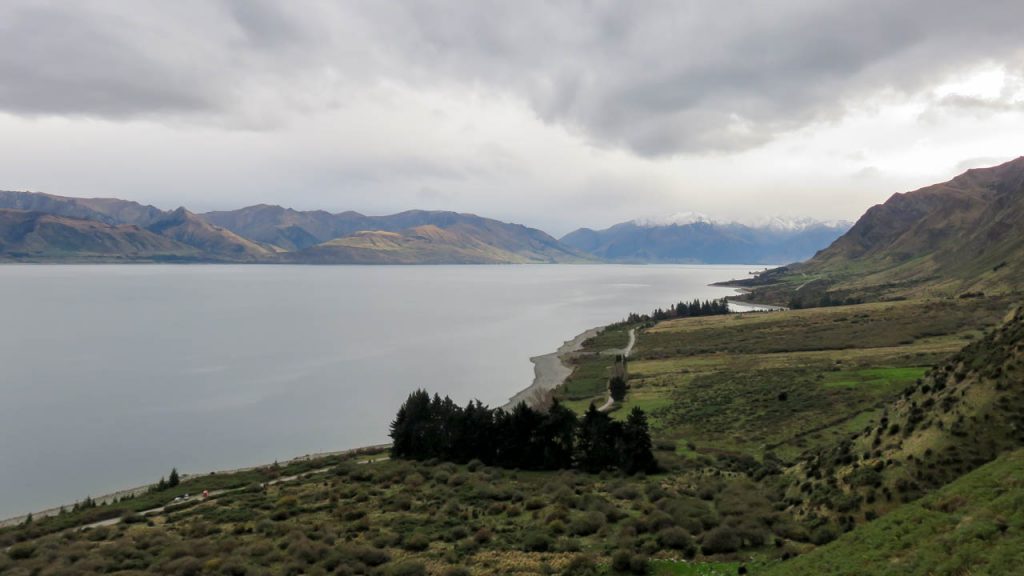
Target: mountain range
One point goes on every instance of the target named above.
(694, 238)
(44, 227)
(961, 237)
(955, 238)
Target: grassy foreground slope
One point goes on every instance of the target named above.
(974, 525)
(403, 518)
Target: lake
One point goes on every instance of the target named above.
(112, 375)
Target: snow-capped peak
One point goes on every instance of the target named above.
(677, 219)
(774, 223)
(794, 223)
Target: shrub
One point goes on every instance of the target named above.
(233, 567)
(418, 542)
(639, 564)
(824, 534)
(587, 523)
(185, 566)
(458, 533)
(483, 536)
(657, 520)
(537, 542)
(677, 539)
(456, 571)
(369, 556)
(626, 492)
(21, 551)
(535, 503)
(791, 530)
(581, 565)
(721, 540)
(620, 560)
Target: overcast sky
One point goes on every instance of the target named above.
(552, 114)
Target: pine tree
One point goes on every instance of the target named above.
(597, 441)
(411, 429)
(557, 437)
(173, 479)
(636, 455)
(617, 388)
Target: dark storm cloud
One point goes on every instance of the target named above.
(60, 59)
(653, 77)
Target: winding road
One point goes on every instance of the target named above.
(625, 353)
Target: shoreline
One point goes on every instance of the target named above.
(550, 370)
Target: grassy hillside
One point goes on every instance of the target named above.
(975, 525)
(770, 382)
(393, 517)
(961, 414)
(957, 237)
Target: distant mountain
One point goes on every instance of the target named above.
(431, 244)
(107, 210)
(274, 234)
(961, 236)
(414, 236)
(187, 228)
(35, 236)
(695, 238)
(286, 228)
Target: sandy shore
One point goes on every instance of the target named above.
(550, 370)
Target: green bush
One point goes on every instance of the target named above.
(418, 542)
(21, 551)
(677, 539)
(721, 540)
(369, 556)
(587, 523)
(581, 565)
(639, 564)
(620, 560)
(824, 534)
(537, 542)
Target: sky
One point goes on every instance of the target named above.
(552, 114)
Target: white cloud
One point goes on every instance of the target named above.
(555, 115)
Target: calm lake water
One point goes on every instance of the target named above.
(111, 375)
